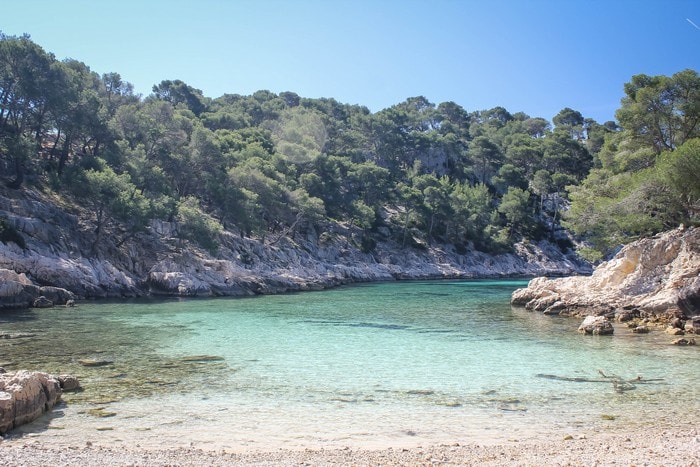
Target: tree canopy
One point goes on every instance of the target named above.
(269, 164)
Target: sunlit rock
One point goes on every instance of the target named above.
(24, 396)
(596, 325)
(657, 278)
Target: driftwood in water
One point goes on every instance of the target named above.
(619, 384)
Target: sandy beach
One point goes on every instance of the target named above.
(677, 447)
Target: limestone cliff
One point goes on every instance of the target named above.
(59, 260)
(654, 277)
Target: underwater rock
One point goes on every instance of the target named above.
(203, 358)
(683, 341)
(91, 362)
(68, 382)
(24, 396)
(101, 412)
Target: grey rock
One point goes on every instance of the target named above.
(656, 278)
(68, 382)
(42, 302)
(24, 396)
(596, 325)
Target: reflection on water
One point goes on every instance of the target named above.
(390, 364)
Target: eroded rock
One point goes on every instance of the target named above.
(24, 396)
(655, 278)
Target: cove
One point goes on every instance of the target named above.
(370, 365)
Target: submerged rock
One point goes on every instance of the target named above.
(91, 362)
(24, 396)
(68, 382)
(684, 341)
(656, 277)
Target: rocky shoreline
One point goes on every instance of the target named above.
(650, 282)
(59, 262)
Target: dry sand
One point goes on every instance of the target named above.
(677, 447)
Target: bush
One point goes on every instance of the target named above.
(197, 225)
(9, 234)
(368, 244)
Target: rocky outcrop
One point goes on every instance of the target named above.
(654, 278)
(17, 291)
(60, 261)
(26, 395)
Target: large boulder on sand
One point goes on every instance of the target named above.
(24, 396)
(657, 276)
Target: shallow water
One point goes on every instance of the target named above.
(387, 364)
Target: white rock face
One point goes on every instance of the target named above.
(60, 263)
(654, 276)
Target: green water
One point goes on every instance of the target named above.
(378, 364)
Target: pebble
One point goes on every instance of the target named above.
(643, 447)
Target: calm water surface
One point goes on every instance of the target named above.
(388, 364)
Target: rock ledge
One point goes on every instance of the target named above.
(657, 279)
(26, 395)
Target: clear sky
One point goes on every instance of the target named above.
(534, 56)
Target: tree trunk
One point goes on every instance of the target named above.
(405, 227)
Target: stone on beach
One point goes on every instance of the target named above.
(24, 396)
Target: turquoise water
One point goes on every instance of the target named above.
(387, 364)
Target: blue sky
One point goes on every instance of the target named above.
(535, 56)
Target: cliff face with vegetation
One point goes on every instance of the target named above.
(57, 259)
(109, 193)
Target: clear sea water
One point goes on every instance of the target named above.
(372, 365)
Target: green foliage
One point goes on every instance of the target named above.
(515, 208)
(648, 178)
(662, 112)
(196, 225)
(270, 165)
(112, 197)
(680, 170)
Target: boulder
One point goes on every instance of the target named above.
(655, 277)
(683, 341)
(17, 291)
(596, 325)
(693, 325)
(68, 382)
(24, 396)
(42, 302)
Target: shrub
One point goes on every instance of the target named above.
(8, 233)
